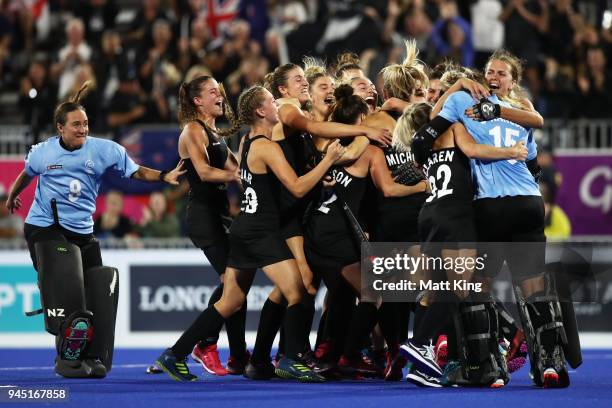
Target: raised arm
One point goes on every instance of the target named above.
(292, 116)
(527, 116)
(272, 155)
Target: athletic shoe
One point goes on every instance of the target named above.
(293, 370)
(277, 358)
(394, 366)
(454, 375)
(98, 370)
(258, 371)
(236, 366)
(176, 368)
(422, 380)
(72, 369)
(441, 350)
(358, 367)
(308, 359)
(323, 350)
(499, 383)
(517, 355)
(422, 357)
(208, 357)
(154, 369)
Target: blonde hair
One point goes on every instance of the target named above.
(400, 80)
(414, 116)
(517, 93)
(249, 100)
(314, 69)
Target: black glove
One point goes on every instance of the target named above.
(408, 174)
(486, 110)
(423, 139)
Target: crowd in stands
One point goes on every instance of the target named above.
(136, 54)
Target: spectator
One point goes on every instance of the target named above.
(75, 52)
(112, 223)
(37, 97)
(129, 103)
(256, 13)
(487, 30)
(556, 225)
(193, 48)
(525, 21)
(595, 86)
(11, 225)
(156, 222)
(110, 60)
(98, 16)
(252, 70)
(560, 31)
(160, 58)
(141, 28)
(452, 35)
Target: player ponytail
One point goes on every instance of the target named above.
(73, 103)
(348, 107)
(400, 80)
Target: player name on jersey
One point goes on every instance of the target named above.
(394, 159)
(439, 157)
(341, 177)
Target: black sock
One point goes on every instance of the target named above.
(270, 320)
(235, 327)
(419, 312)
(310, 311)
(362, 324)
(281, 340)
(388, 319)
(214, 298)
(321, 328)
(436, 319)
(207, 326)
(294, 327)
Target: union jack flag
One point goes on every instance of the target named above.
(218, 13)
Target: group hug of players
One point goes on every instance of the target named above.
(448, 158)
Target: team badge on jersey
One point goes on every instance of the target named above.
(89, 167)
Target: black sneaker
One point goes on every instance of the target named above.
(176, 368)
(294, 370)
(259, 371)
(310, 360)
(420, 379)
(98, 370)
(422, 357)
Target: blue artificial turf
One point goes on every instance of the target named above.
(129, 386)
